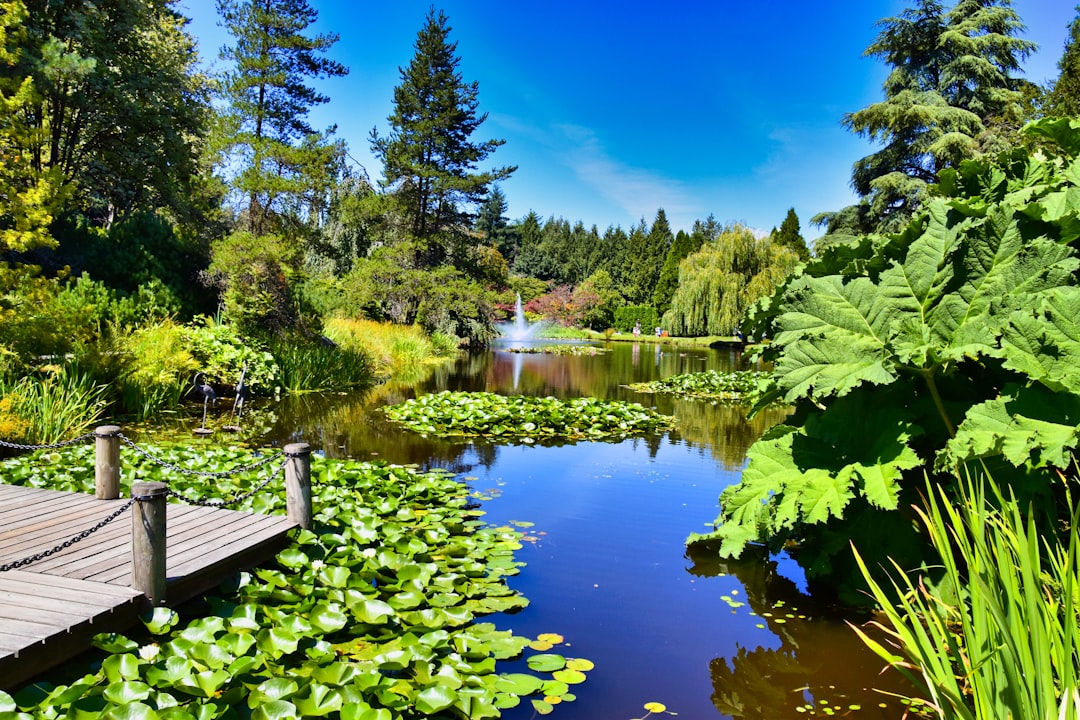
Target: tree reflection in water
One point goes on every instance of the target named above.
(801, 638)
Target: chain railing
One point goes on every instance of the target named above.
(296, 468)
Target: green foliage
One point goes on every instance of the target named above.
(576, 350)
(376, 613)
(999, 636)
(221, 352)
(788, 235)
(313, 367)
(524, 417)
(669, 273)
(736, 385)
(721, 281)
(428, 158)
(920, 353)
(118, 106)
(149, 368)
(59, 404)
(628, 316)
(258, 277)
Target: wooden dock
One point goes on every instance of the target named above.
(51, 609)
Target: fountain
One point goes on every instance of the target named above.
(520, 330)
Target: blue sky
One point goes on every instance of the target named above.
(612, 110)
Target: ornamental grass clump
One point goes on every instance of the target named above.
(482, 414)
(996, 637)
(375, 614)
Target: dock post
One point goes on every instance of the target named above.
(148, 540)
(107, 467)
(298, 483)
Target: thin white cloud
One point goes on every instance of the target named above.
(640, 193)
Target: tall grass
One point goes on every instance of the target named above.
(58, 406)
(309, 367)
(394, 348)
(154, 368)
(1002, 643)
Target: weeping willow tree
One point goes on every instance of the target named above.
(719, 283)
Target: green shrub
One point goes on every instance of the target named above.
(155, 368)
(627, 317)
(49, 407)
(221, 352)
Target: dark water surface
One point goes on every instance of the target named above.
(606, 562)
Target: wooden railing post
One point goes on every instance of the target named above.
(107, 467)
(298, 483)
(148, 540)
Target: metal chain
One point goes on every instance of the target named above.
(67, 543)
(47, 446)
(201, 473)
(235, 499)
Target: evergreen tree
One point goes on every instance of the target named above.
(492, 224)
(669, 273)
(429, 160)
(530, 259)
(284, 168)
(952, 94)
(788, 235)
(1064, 97)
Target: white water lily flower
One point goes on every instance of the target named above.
(317, 564)
(368, 552)
(149, 652)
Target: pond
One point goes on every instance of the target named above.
(607, 567)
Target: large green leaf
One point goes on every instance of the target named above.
(1042, 340)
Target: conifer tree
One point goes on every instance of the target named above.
(284, 167)
(788, 235)
(952, 94)
(429, 159)
(1064, 97)
(669, 273)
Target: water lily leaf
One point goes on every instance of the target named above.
(363, 711)
(121, 667)
(168, 673)
(277, 710)
(276, 642)
(132, 711)
(406, 599)
(161, 620)
(372, 611)
(434, 698)
(212, 656)
(570, 677)
(7, 703)
(114, 643)
(579, 664)
(293, 558)
(271, 690)
(319, 702)
(236, 643)
(122, 693)
(334, 575)
(518, 684)
(546, 663)
(203, 684)
(328, 617)
(544, 708)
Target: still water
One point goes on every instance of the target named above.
(607, 566)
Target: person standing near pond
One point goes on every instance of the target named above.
(637, 328)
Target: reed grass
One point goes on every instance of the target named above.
(1002, 643)
(309, 367)
(394, 348)
(61, 404)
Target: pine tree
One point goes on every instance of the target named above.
(285, 168)
(1064, 97)
(669, 273)
(429, 161)
(492, 224)
(788, 235)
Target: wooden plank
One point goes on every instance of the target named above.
(51, 609)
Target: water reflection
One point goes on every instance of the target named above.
(808, 655)
(608, 567)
